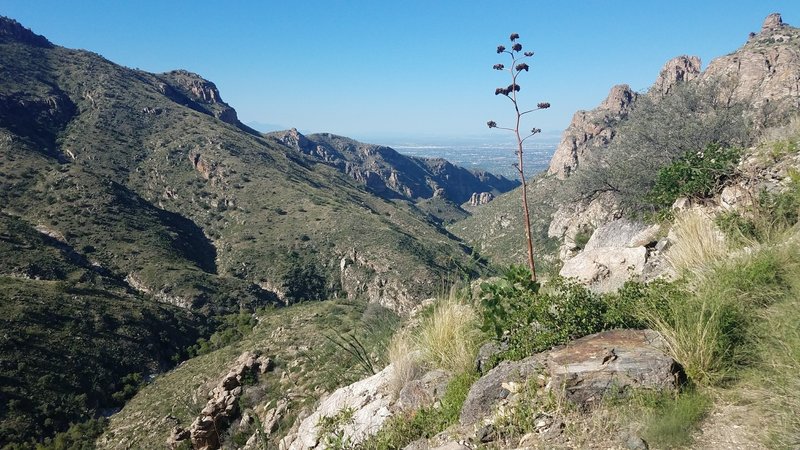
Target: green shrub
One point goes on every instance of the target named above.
(674, 419)
(697, 174)
(582, 238)
(531, 319)
(231, 328)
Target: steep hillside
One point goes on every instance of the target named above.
(180, 203)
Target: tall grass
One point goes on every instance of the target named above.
(708, 322)
(699, 244)
(445, 339)
(776, 379)
(405, 360)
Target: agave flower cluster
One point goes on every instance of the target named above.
(517, 66)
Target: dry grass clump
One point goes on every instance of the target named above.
(405, 360)
(447, 339)
(699, 244)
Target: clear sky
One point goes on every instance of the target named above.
(383, 69)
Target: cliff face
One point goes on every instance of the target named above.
(590, 130)
(764, 73)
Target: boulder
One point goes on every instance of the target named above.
(369, 399)
(606, 269)
(424, 391)
(497, 385)
(623, 233)
(582, 372)
(611, 362)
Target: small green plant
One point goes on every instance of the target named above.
(531, 319)
(582, 238)
(332, 429)
(503, 298)
(353, 346)
(698, 174)
(674, 418)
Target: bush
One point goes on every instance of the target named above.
(533, 320)
(231, 328)
(697, 174)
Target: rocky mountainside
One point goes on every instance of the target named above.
(138, 200)
(391, 175)
(764, 73)
(757, 86)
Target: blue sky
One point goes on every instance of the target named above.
(379, 70)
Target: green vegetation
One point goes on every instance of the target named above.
(671, 420)
(668, 134)
(726, 320)
(695, 174)
(48, 324)
(532, 319)
(79, 436)
(230, 329)
(306, 363)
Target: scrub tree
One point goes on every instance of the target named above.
(517, 66)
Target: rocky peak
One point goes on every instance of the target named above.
(293, 138)
(591, 129)
(676, 70)
(203, 93)
(12, 30)
(772, 22)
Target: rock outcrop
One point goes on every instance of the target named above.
(482, 198)
(677, 70)
(591, 130)
(616, 252)
(389, 174)
(10, 29)
(222, 407)
(572, 219)
(765, 72)
(198, 93)
(368, 399)
(581, 372)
